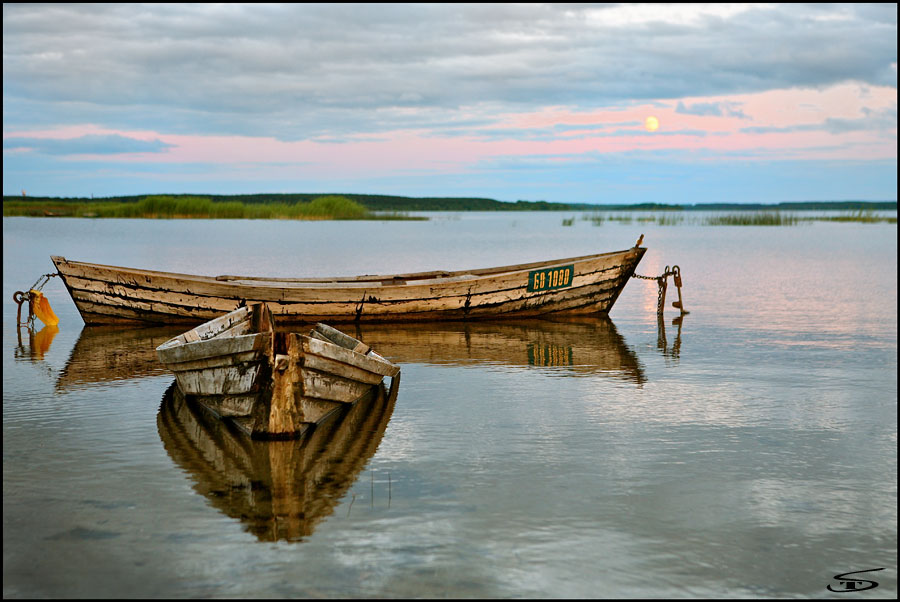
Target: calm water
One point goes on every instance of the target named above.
(749, 452)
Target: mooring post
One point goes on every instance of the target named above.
(676, 272)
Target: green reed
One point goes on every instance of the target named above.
(752, 218)
(669, 219)
(330, 207)
(865, 216)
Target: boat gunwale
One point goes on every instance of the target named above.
(192, 351)
(229, 320)
(179, 342)
(399, 280)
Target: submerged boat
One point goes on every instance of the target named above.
(272, 384)
(277, 490)
(586, 284)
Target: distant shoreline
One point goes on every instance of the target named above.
(328, 207)
(24, 205)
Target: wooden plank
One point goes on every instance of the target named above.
(330, 351)
(118, 313)
(326, 386)
(228, 380)
(323, 364)
(218, 361)
(212, 348)
(335, 336)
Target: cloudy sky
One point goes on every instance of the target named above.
(754, 103)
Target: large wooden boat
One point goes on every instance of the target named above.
(587, 284)
(278, 490)
(272, 384)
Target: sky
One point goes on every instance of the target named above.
(753, 102)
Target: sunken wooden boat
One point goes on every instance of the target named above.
(586, 284)
(278, 490)
(272, 384)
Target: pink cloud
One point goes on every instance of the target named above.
(776, 116)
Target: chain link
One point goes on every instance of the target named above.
(46, 278)
(664, 275)
(662, 284)
(21, 297)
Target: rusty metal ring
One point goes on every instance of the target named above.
(20, 297)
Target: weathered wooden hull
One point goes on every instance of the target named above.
(271, 384)
(587, 284)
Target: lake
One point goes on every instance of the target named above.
(746, 451)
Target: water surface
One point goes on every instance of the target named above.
(747, 451)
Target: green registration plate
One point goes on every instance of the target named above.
(549, 279)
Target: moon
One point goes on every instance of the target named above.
(651, 123)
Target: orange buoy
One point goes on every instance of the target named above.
(40, 305)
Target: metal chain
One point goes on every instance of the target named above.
(661, 296)
(666, 273)
(21, 297)
(46, 278)
(661, 283)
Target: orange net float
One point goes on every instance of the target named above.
(38, 306)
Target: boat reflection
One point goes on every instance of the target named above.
(38, 342)
(280, 490)
(580, 345)
(106, 354)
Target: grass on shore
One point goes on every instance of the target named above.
(753, 218)
(863, 216)
(337, 207)
(774, 218)
(741, 218)
(166, 207)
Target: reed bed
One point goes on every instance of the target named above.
(665, 219)
(862, 216)
(753, 218)
(189, 207)
(336, 207)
